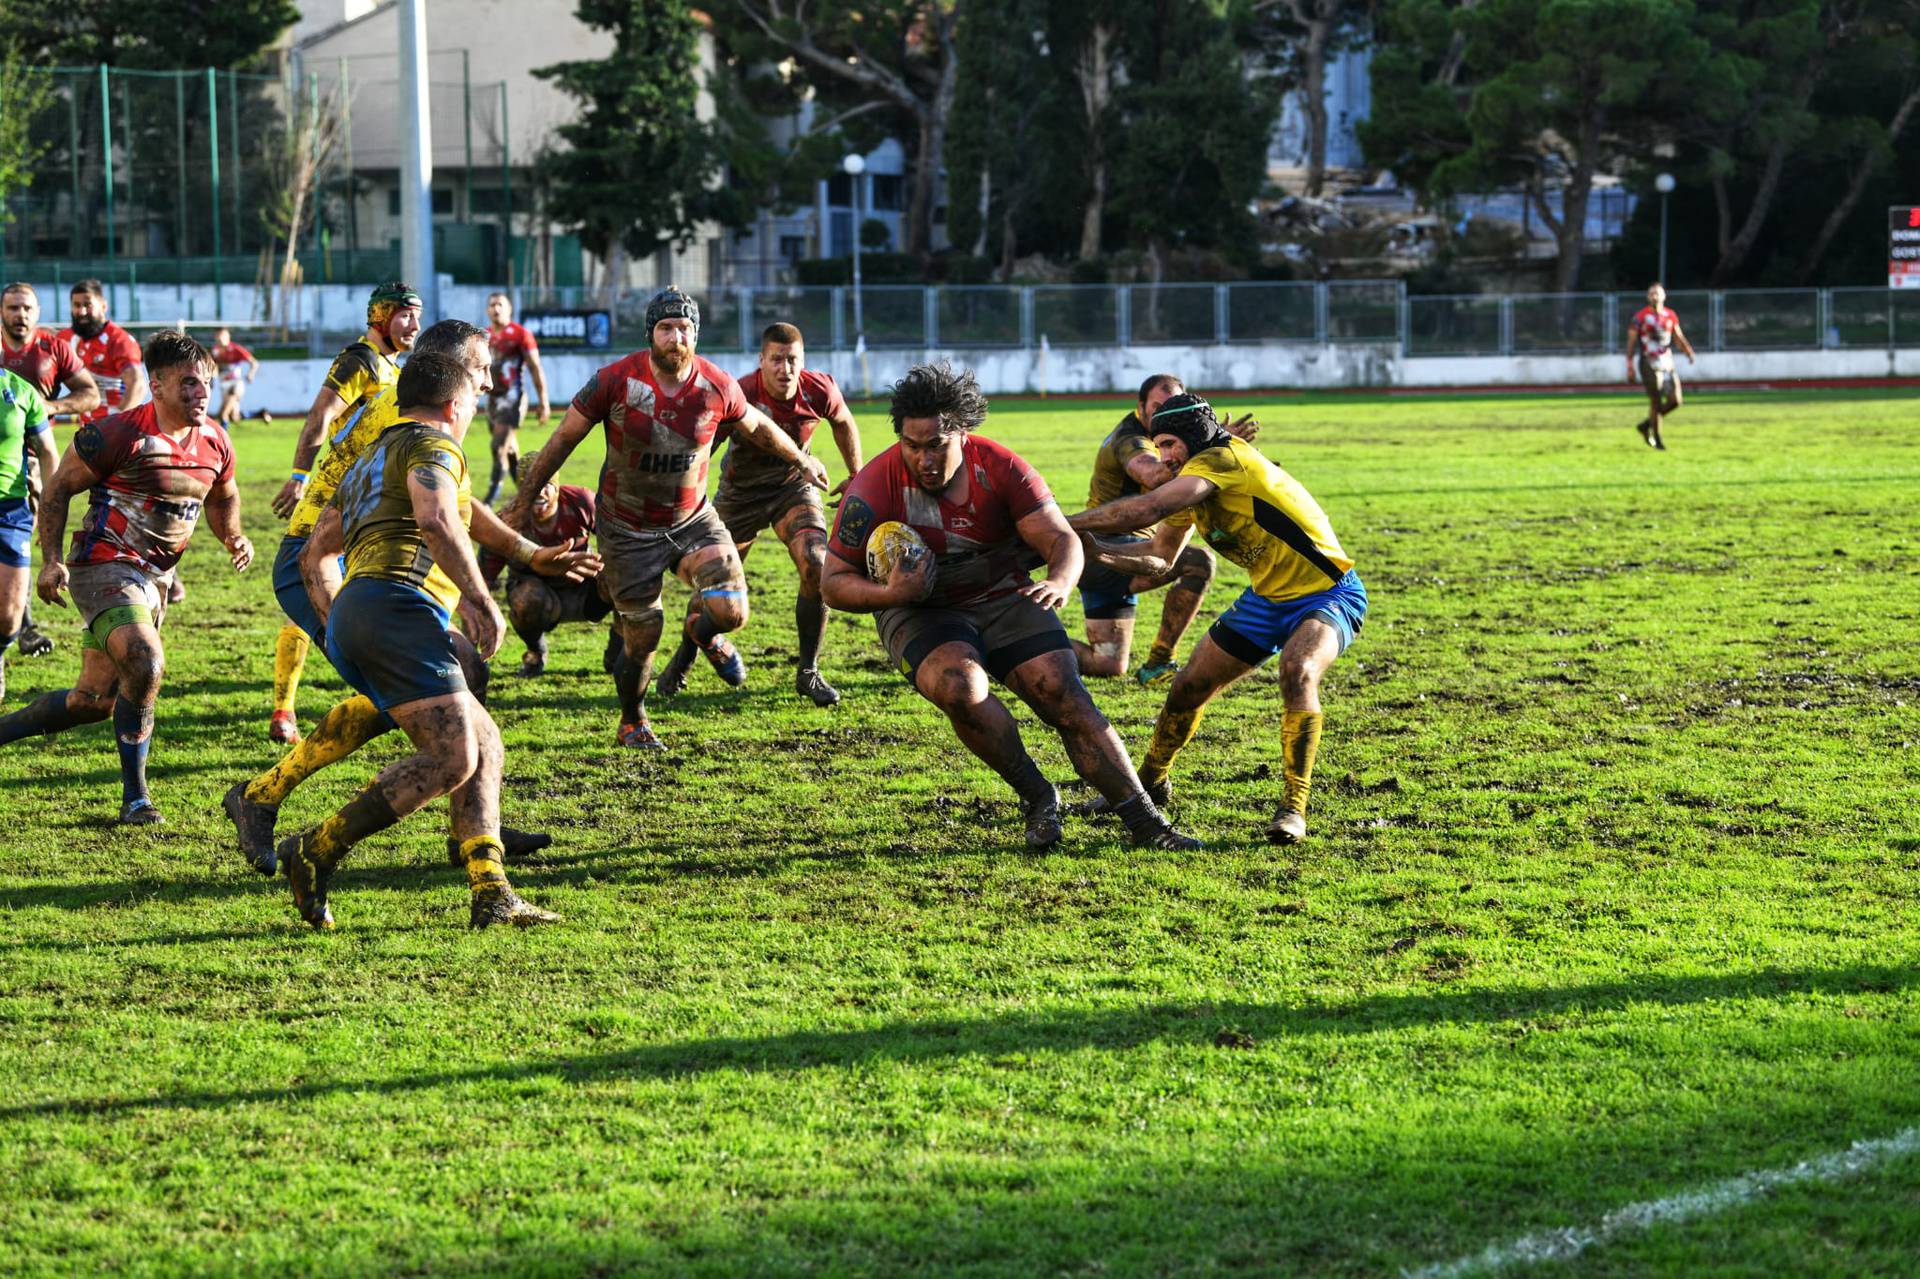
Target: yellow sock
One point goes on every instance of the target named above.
(484, 855)
(341, 732)
(1299, 739)
(1173, 730)
(289, 655)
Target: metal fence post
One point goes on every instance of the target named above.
(746, 319)
(1026, 317)
(836, 306)
(1222, 321)
(1123, 314)
(1824, 309)
(930, 311)
(1716, 319)
(1403, 319)
(1506, 324)
(1322, 314)
(106, 160)
(1609, 321)
(213, 177)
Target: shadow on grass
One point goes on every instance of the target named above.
(1226, 1025)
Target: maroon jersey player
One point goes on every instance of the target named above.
(516, 362)
(662, 408)
(1652, 334)
(967, 611)
(105, 350)
(559, 515)
(759, 491)
(47, 364)
(238, 367)
(149, 473)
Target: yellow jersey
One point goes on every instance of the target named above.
(365, 378)
(1125, 442)
(1264, 520)
(383, 539)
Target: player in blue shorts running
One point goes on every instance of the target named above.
(1305, 603)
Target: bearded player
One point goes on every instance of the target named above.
(1110, 589)
(516, 358)
(307, 578)
(966, 611)
(1651, 336)
(662, 408)
(364, 368)
(46, 364)
(758, 492)
(405, 506)
(149, 472)
(104, 349)
(1306, 603)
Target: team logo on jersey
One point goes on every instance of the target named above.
(640, 396)
(856, 517)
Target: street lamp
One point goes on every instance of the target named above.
(855, 166)
(1664, 185)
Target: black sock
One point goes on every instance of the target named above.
(133, 732)
(615, 647)
(46, 713)
(810, 619)
(365, 814)
(1140, 815)
(630, 682)
(701, 630)
(1030, 783)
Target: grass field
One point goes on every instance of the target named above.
(1610, 897)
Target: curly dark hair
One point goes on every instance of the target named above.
(942, 391)
(170, 348)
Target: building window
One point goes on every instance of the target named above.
(442, 202)
(840, 190)
(793, 247)
(889, 191)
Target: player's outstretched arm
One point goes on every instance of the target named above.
(1143, 510)
(327, 405)
(73, 475)
(1140, 559)
(1680, 340)
(760, 431)
(571, 561)
(136, 375)
(1633, 338)
(320, 560)
(436, 509)
(223, 517)
(539, 376)
(1147, 470)
(1046, 531)
(535, 473)
(846, 437)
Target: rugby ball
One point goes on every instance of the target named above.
(888, 544)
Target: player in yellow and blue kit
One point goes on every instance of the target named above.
(1306, 603)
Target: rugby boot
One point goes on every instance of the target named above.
(499, 904)
(514, 844)
(1166, 838)
(254, 823)
(533, 662)
(1659, 441)
(726, 661)
(32, 642)
(640, 735)
(307, 876)
(1646, 433)
(809, 682)
(673, 676)
(1289, 826)
(1158, 673)
(283, 729)
(1160, 792)
(139, 812)
(1042, 818)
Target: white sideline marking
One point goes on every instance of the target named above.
(1571, 1241)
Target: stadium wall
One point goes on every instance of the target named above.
(287, 386)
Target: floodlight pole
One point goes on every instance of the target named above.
(855, 165)
(1664, 185)
(416, 164)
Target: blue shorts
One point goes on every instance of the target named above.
(1103, 591)
(16, 534)
(1256, 628)
(291, 591)
(389, 641)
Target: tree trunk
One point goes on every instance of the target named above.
(984, 205)
(1855, 188)
(1008, 243)
(1093, 69)
(1315, 92)
(1733, 254)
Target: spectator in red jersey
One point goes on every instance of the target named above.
(1651, 335)
(559, 516)
(105, 350)
(47, 364)
(966, 610)
(238, 367)
(516, 357)
(149, 472)
(662, 408)
(759, 492)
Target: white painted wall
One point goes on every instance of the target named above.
(287, 386)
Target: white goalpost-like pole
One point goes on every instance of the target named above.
(416, 164)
